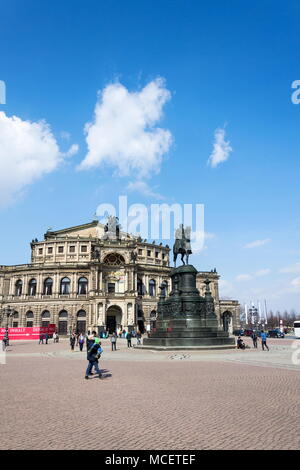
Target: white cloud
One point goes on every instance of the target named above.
(28, 150)
(248, 277)
(65, 135)
(295, 283)
(295, 268)
(143, 188)
(222, 149)
(257, 243)
(71, 152)
(244, 277)
(262, 272)
(123, 133)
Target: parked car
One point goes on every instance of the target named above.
(248, 332)
(277, 333)
(238, 332)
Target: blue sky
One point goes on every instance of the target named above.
(225, 65)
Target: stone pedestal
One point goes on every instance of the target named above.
(185, 320)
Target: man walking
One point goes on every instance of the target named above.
(93, 356)
(254, 339)
(263, 337)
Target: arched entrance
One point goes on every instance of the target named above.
(141, 321)
(113, 318)
(81, 321)
(227, 321)
(63, 322)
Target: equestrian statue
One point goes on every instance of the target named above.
(182, 244)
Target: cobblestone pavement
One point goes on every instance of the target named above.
(150, 400)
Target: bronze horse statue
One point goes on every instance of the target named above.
(182, 244)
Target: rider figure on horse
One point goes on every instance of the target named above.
(182, 244)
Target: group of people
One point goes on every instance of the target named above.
(45, 337)
(254, 336)
(79, 339)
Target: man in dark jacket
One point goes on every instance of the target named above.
(129, 336)
(93, 355)
(254, 339)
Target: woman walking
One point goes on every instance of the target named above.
(81, 341)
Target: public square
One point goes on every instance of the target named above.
(151, 400)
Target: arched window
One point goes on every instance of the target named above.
(63, 314)
(140, 287)
(18, 289)
(46, 314)
(48, 284)
(29, 314)
(152, 287)
(81, 313)
(164, 290)
(82, 286)
(32, 287)
(16, 314)
(114, 259)
(65, 286)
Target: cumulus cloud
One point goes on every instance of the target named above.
(257, 243)
(28, 150)
(221, 149)
(124, 134)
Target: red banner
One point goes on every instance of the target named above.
(28, 333)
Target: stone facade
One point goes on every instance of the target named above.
(78, 279)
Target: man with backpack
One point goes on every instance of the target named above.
(93, 356)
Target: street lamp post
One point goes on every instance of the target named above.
(8, 312)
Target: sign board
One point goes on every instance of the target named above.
(27, 333)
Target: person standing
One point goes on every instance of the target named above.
(46, 338)
(41, 339)
(113, 340)
(72, 341)
(138, 337)
(5, 341)
(128, 337)
(93, 356)
(6, 337)
(263, 337)
(254, 339)
(81, 341)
